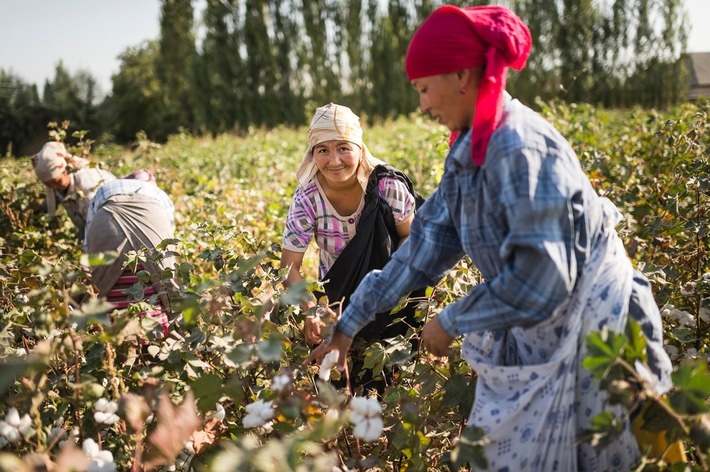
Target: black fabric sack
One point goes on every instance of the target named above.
(374, 242)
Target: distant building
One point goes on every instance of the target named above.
(699, 74)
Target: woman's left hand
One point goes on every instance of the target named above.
(435, 339)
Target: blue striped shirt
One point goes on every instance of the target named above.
(127, 187)
(526, 218)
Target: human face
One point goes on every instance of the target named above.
(337, 161)
(60, 182)
(441, 97)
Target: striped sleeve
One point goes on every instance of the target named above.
(397, 195)
(301, 221)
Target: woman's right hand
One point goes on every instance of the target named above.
(338, 342)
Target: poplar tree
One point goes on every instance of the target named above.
(175, 61)
(220, 71)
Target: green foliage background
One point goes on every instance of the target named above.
(239, 327)
(234, 64)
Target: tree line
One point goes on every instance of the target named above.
(260, 63)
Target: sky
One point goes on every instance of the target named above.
(89, 35)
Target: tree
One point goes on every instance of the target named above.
(219, 70)
(174, 65)
(137, 100)
(22, 116)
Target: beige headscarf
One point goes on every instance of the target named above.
(334, 123)
(49, 163)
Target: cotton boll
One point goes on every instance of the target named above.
(252, 421)
(329, 361)
(101, 461)
(369, 430)
(105, 412)
(672, 351)
(219, 413)
(356, 417)
(705, 314)
(258, 413)
(14, 427)
(685, 319)
(358, 404)
(280, 382)
(366, 406)
(373, 407)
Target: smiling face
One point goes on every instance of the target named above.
(441, 97)
(337, 161)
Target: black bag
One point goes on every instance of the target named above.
(374, 242)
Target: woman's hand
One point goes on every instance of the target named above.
(312, 329)
(435, 339)
(339, 342)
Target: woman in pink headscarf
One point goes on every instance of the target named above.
(514, 198)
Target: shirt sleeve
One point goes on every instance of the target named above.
(537, 195)
(432, 248)
(300, 223)
(397, 195)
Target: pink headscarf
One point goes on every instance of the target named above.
(452, 39)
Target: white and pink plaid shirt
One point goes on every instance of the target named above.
(311, 214)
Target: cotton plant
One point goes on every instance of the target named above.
(366, 417)
(13, 428)
(101, 460)
(105, 412)
(259, 414)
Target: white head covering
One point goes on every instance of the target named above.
(50, 162)
(335, 123)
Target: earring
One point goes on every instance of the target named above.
(462, 90)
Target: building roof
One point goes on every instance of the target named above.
(700, 68)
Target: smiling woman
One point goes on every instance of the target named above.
(356, 207)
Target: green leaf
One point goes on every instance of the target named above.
(29, 257)
(98, 259)
(375, 358)
(190, 308)
(636, 346)
(459, 392)
(136, 292)
(241, 354)
(693, 388)
(270, 350)
(12, 368)
(96, 310)
(208, 390)
(470, 449)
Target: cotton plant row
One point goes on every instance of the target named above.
(242, 344)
